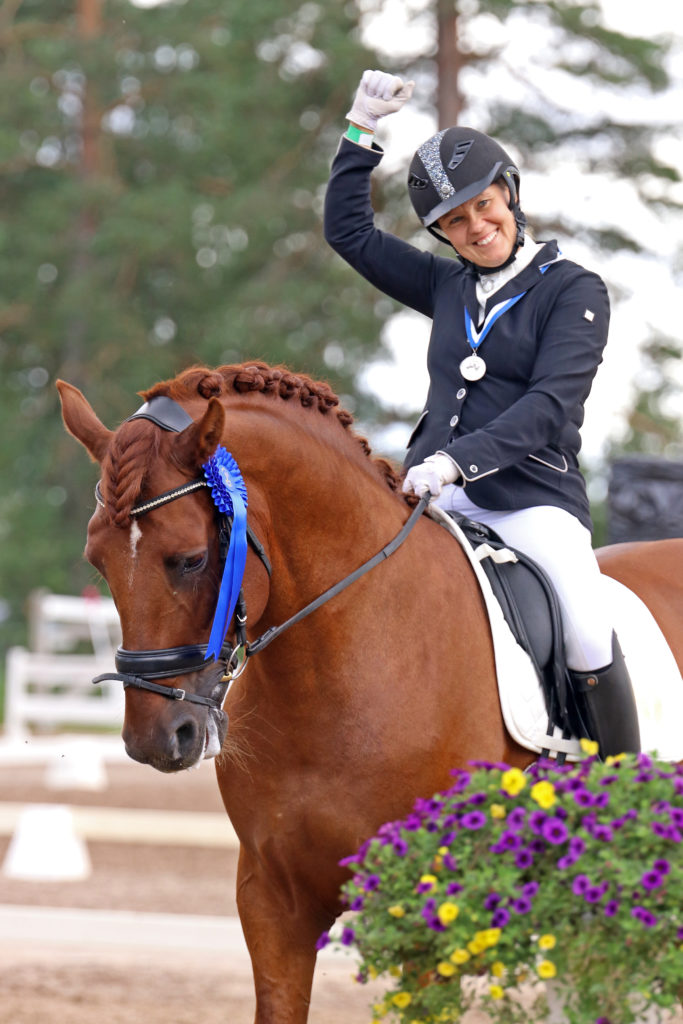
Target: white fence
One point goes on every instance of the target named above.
(48, 684)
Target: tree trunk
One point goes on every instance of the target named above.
(449, 62)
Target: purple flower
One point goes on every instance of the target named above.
(536, 845)
(450, 862)
(530, 888)
(323, 941)
(662, 866)
(515, 819)
(473, 820)
(524, 859)
(604, 833)
(611, 908)
(645, 916)
(666, 831)
(500, 918)
(452, 888)
(594, 893)
(491, 901)
(601, 800)
(509, 841)
(581, 884)
(347, 936)
(400, 847)
(371, 883)
(651, 880)
(676, 814)
(577, 846)
(583, 798)
(555, 831)
(567, 861)
(536, 821)
(521, 905)
(357, 903)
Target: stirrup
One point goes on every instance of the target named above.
(608, 704)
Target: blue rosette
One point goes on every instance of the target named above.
(229, 494)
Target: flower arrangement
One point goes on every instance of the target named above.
(571, 872)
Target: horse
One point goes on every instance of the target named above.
(361, 704)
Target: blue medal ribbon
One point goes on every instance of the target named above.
(494, 314)
(229, 494)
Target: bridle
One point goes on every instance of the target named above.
(138, 669)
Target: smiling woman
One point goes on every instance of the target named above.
(518, 334)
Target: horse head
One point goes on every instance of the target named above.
(161, 560)
(157, 539)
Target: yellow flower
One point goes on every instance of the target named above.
(395, 972)
(613, 759)
(546, 969)
(547, 941)
(498, 969)
(459, 956)
(543, 793)
(428, 880)
(442, 850)
(372, 972)
(497, 811)
(513, 781)
(396, 910)
(379, 1009)
(445, 969)
(496, 992)
(401, 999)
(476, 946)
(589, 746)
(486, 938)
(447, 912)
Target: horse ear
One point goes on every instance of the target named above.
(82, 423)
(198, 443)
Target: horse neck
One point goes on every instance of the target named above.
(329, 507)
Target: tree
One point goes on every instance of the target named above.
(161, 175)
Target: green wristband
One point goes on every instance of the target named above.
(363, 138)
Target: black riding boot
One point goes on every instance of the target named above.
(609, 707)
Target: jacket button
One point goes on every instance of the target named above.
(454, 421)
(474, 469)
(460, 393)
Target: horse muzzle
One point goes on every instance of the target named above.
(195, 726)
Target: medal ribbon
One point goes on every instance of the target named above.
(229, 495)
(475, 338)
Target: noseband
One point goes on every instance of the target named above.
(138, 669)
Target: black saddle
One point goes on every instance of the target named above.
(529, 603)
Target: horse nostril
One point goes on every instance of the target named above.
(185, 736)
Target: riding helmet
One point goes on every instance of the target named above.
(455, 165)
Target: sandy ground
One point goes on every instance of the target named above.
(50, 977)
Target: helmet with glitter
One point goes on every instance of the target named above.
(455, 165)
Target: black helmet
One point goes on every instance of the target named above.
(455, 165)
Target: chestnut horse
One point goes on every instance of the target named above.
(346, 717)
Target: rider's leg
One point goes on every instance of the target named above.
(562, 547)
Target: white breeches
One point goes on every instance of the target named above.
(562, 547)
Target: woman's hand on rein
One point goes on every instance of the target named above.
(431, 475)
(378, 94)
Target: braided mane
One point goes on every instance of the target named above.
(135, 443)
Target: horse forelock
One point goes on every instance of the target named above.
(132, 449)
(276, 381)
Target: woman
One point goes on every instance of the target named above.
(518, 333)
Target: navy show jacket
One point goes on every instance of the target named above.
(514, 433)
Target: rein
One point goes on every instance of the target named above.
(138, 669)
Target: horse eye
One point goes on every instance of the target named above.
(193, 563)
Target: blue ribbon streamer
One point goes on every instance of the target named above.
(495, 314)
(229, 495)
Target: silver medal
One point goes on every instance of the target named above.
(473, 367)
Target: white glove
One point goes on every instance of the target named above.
(431, 475)
(378, 94)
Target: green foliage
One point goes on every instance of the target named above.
(570, 873)
(161, 175)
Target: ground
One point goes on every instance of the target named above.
(96, 981)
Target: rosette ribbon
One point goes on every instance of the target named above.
(229, 495)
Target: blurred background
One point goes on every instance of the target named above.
(162, 172)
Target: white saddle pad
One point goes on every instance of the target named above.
(657, 682)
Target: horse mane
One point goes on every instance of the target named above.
(135, 444)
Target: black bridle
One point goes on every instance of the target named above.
(139, 669)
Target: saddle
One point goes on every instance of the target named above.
(531, 609)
